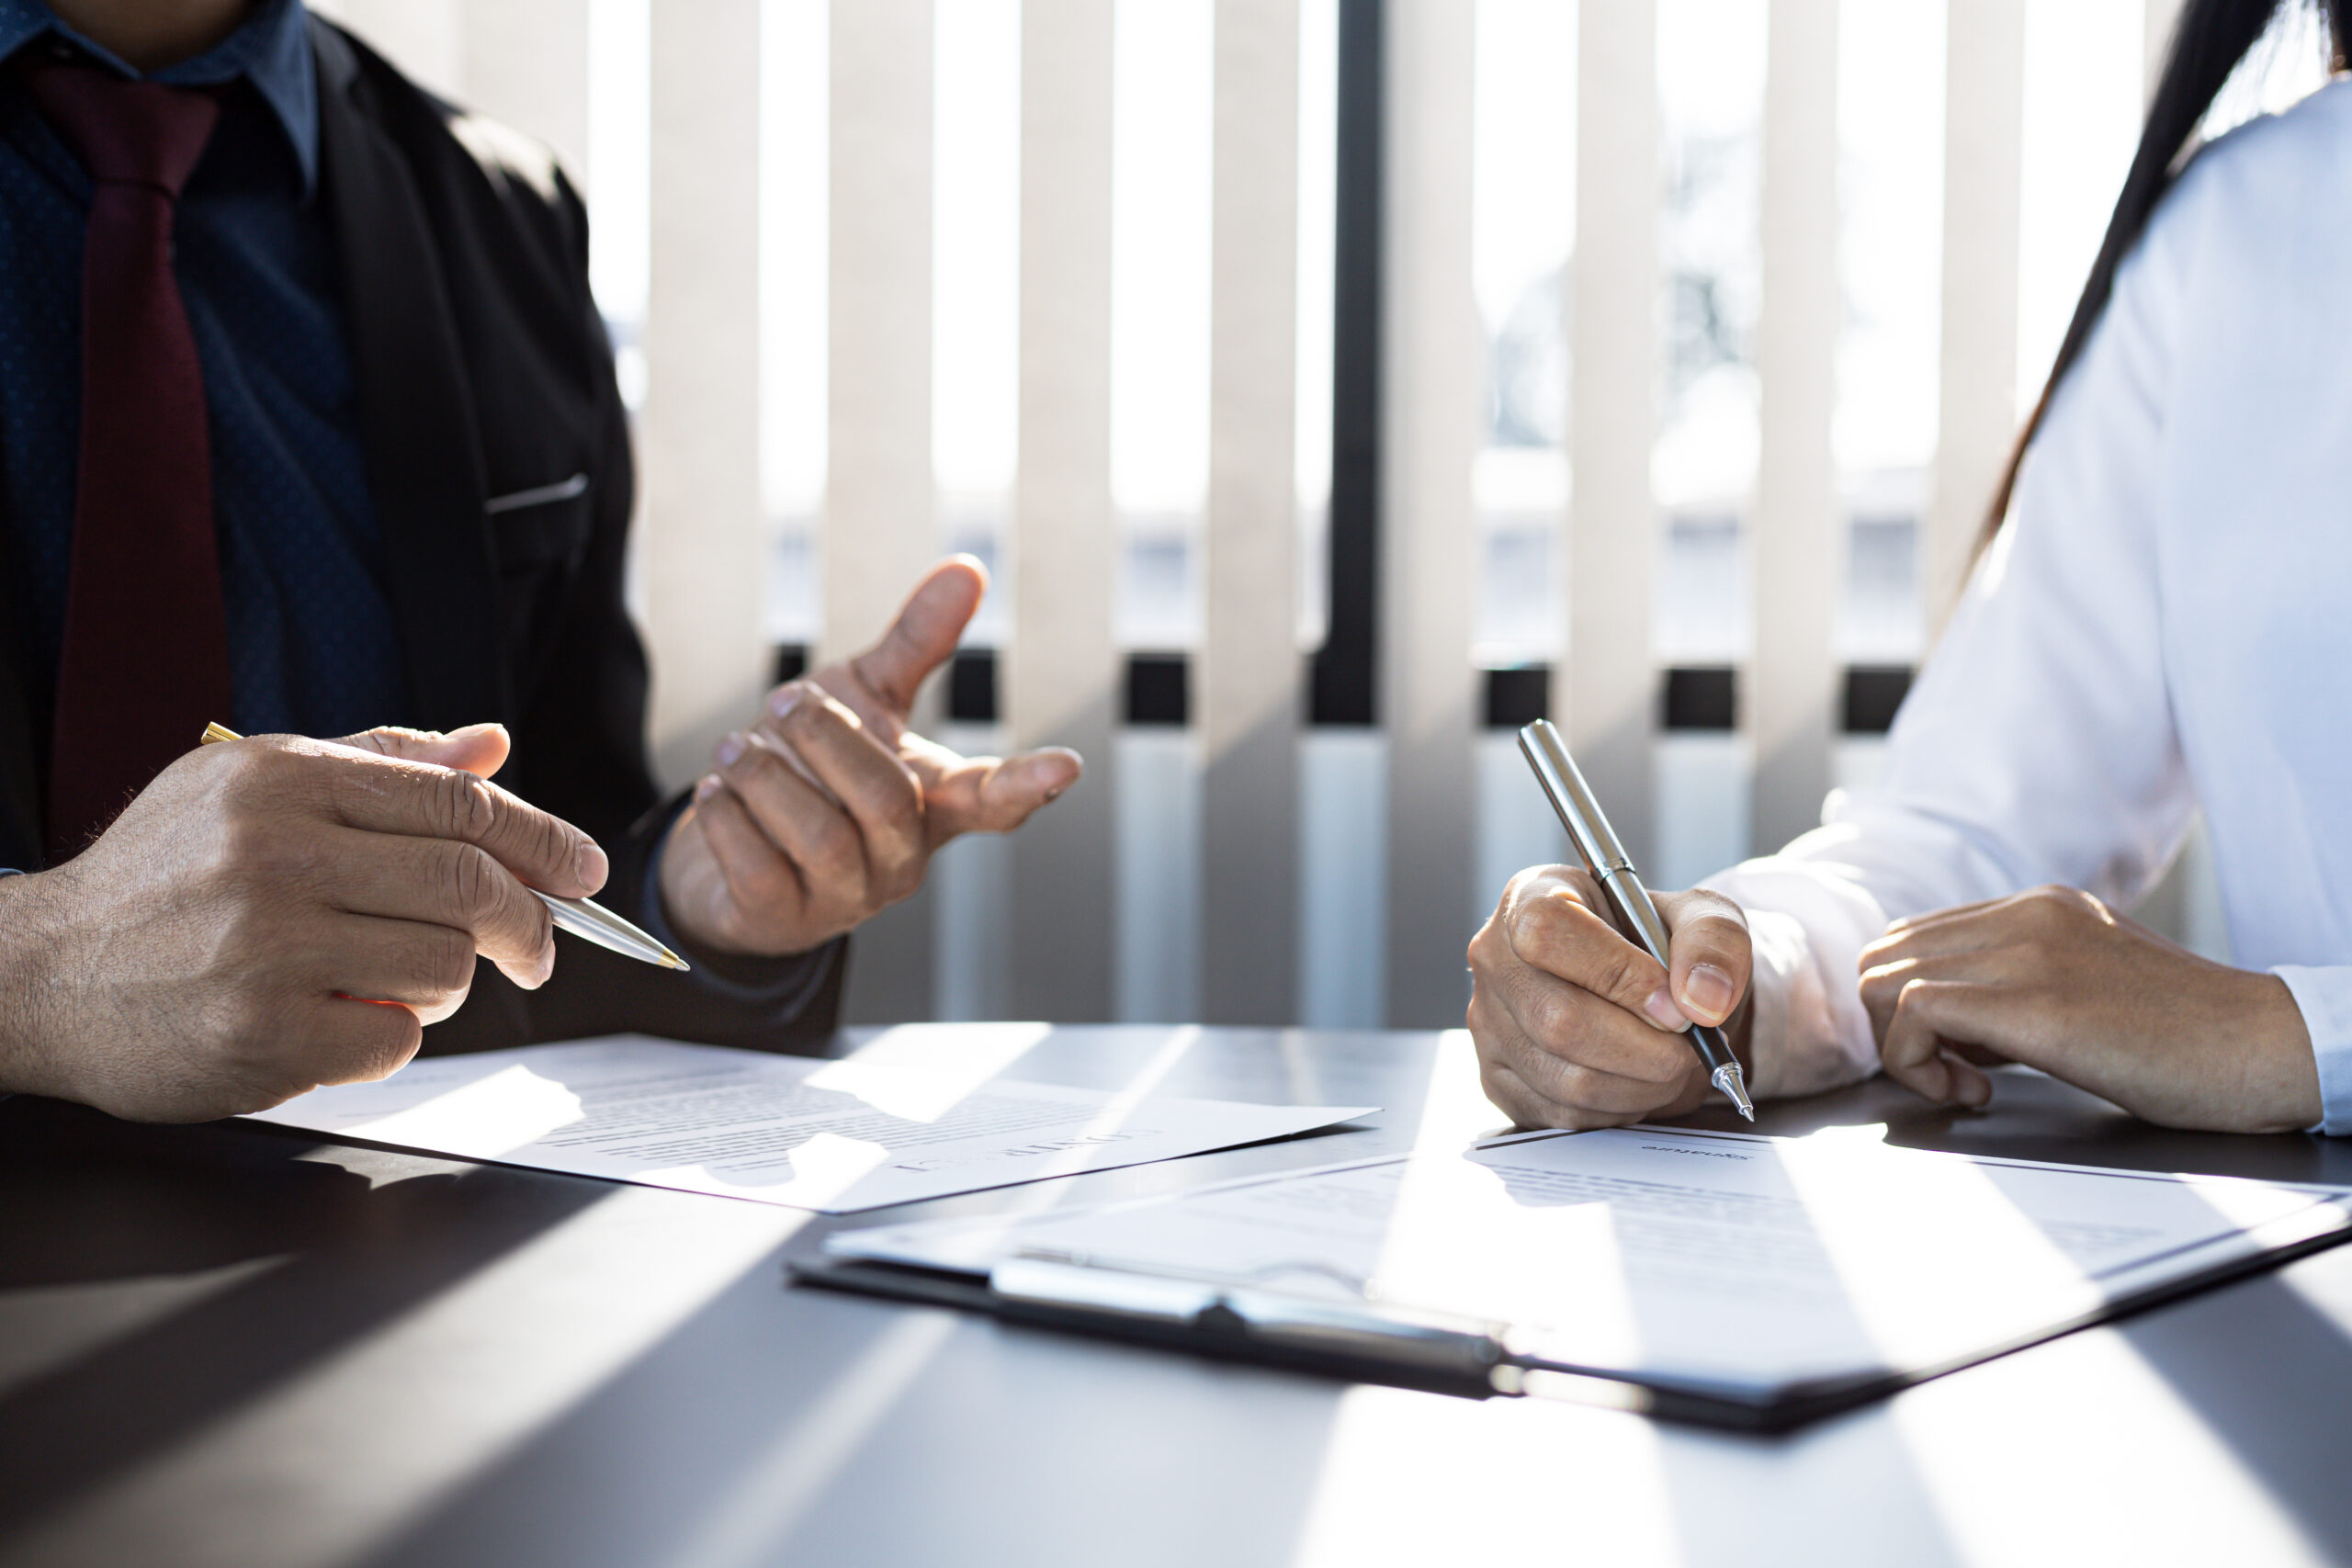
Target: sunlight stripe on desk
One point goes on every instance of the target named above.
(773, 1493)
(2116, 1466)
(2126, 1470)
(1505, 1465)
(324, 1480)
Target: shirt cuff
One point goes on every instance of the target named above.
(1801, 1040)
(2325, 995)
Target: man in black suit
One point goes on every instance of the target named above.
(347, 453)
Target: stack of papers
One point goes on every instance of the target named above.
(894, 1125)
(1726, 1276)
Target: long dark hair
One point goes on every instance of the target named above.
(2208, 42)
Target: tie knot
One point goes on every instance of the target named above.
(126, 132)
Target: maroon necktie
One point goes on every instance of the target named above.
(145, 662)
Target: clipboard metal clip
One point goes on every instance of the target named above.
(1423, 1344)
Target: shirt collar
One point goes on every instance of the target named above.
(271, 48)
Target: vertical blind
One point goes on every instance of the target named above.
(1366, 849)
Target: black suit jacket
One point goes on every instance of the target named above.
(484, 374)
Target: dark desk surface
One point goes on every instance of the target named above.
(235, 1345)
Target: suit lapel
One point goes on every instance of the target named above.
(416, 409)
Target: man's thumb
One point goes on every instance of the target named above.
(923, 635)
(478, 748)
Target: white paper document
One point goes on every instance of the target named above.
(1720, 1263)
(861, 1133)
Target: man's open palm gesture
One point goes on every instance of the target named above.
(830, 808)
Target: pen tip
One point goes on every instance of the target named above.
(1727, 1080)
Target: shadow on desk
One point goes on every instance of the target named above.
(819, 1429)
(211, 1264)
(760, 1424)
(2034, 1116)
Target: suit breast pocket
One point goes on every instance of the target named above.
(540, 537)
(543, 526)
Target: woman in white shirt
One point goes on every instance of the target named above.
(2163, 624)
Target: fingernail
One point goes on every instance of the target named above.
(784, 699)
(706, 788)
(472, 730)
(1708, 992)
(730, 748)
(590, 865)
(1663, 1012)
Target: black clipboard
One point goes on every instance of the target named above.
(1464, 1357)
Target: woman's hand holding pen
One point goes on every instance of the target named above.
(830, 808)
(1576, 1026)
(2054, 979)
(275, 914)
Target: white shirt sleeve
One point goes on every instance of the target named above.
(2038, 744)
(2324, 996)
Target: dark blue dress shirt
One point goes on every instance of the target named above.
(313, 647)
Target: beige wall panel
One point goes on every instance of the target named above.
(881, 528)
(1062, 677)
(424, 38)
(526, 62)
(1250, 667)
(699, 552)
(1432, 375)
(1799, 555)
(1608, 686)
(1977, 418)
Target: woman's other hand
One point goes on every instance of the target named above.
(2056, 980)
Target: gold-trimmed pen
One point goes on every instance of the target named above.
(584, 918)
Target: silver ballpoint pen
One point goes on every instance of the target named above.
(584, 918)
(1636, 916)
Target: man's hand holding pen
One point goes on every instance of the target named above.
(829, 808)
(275, 914)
